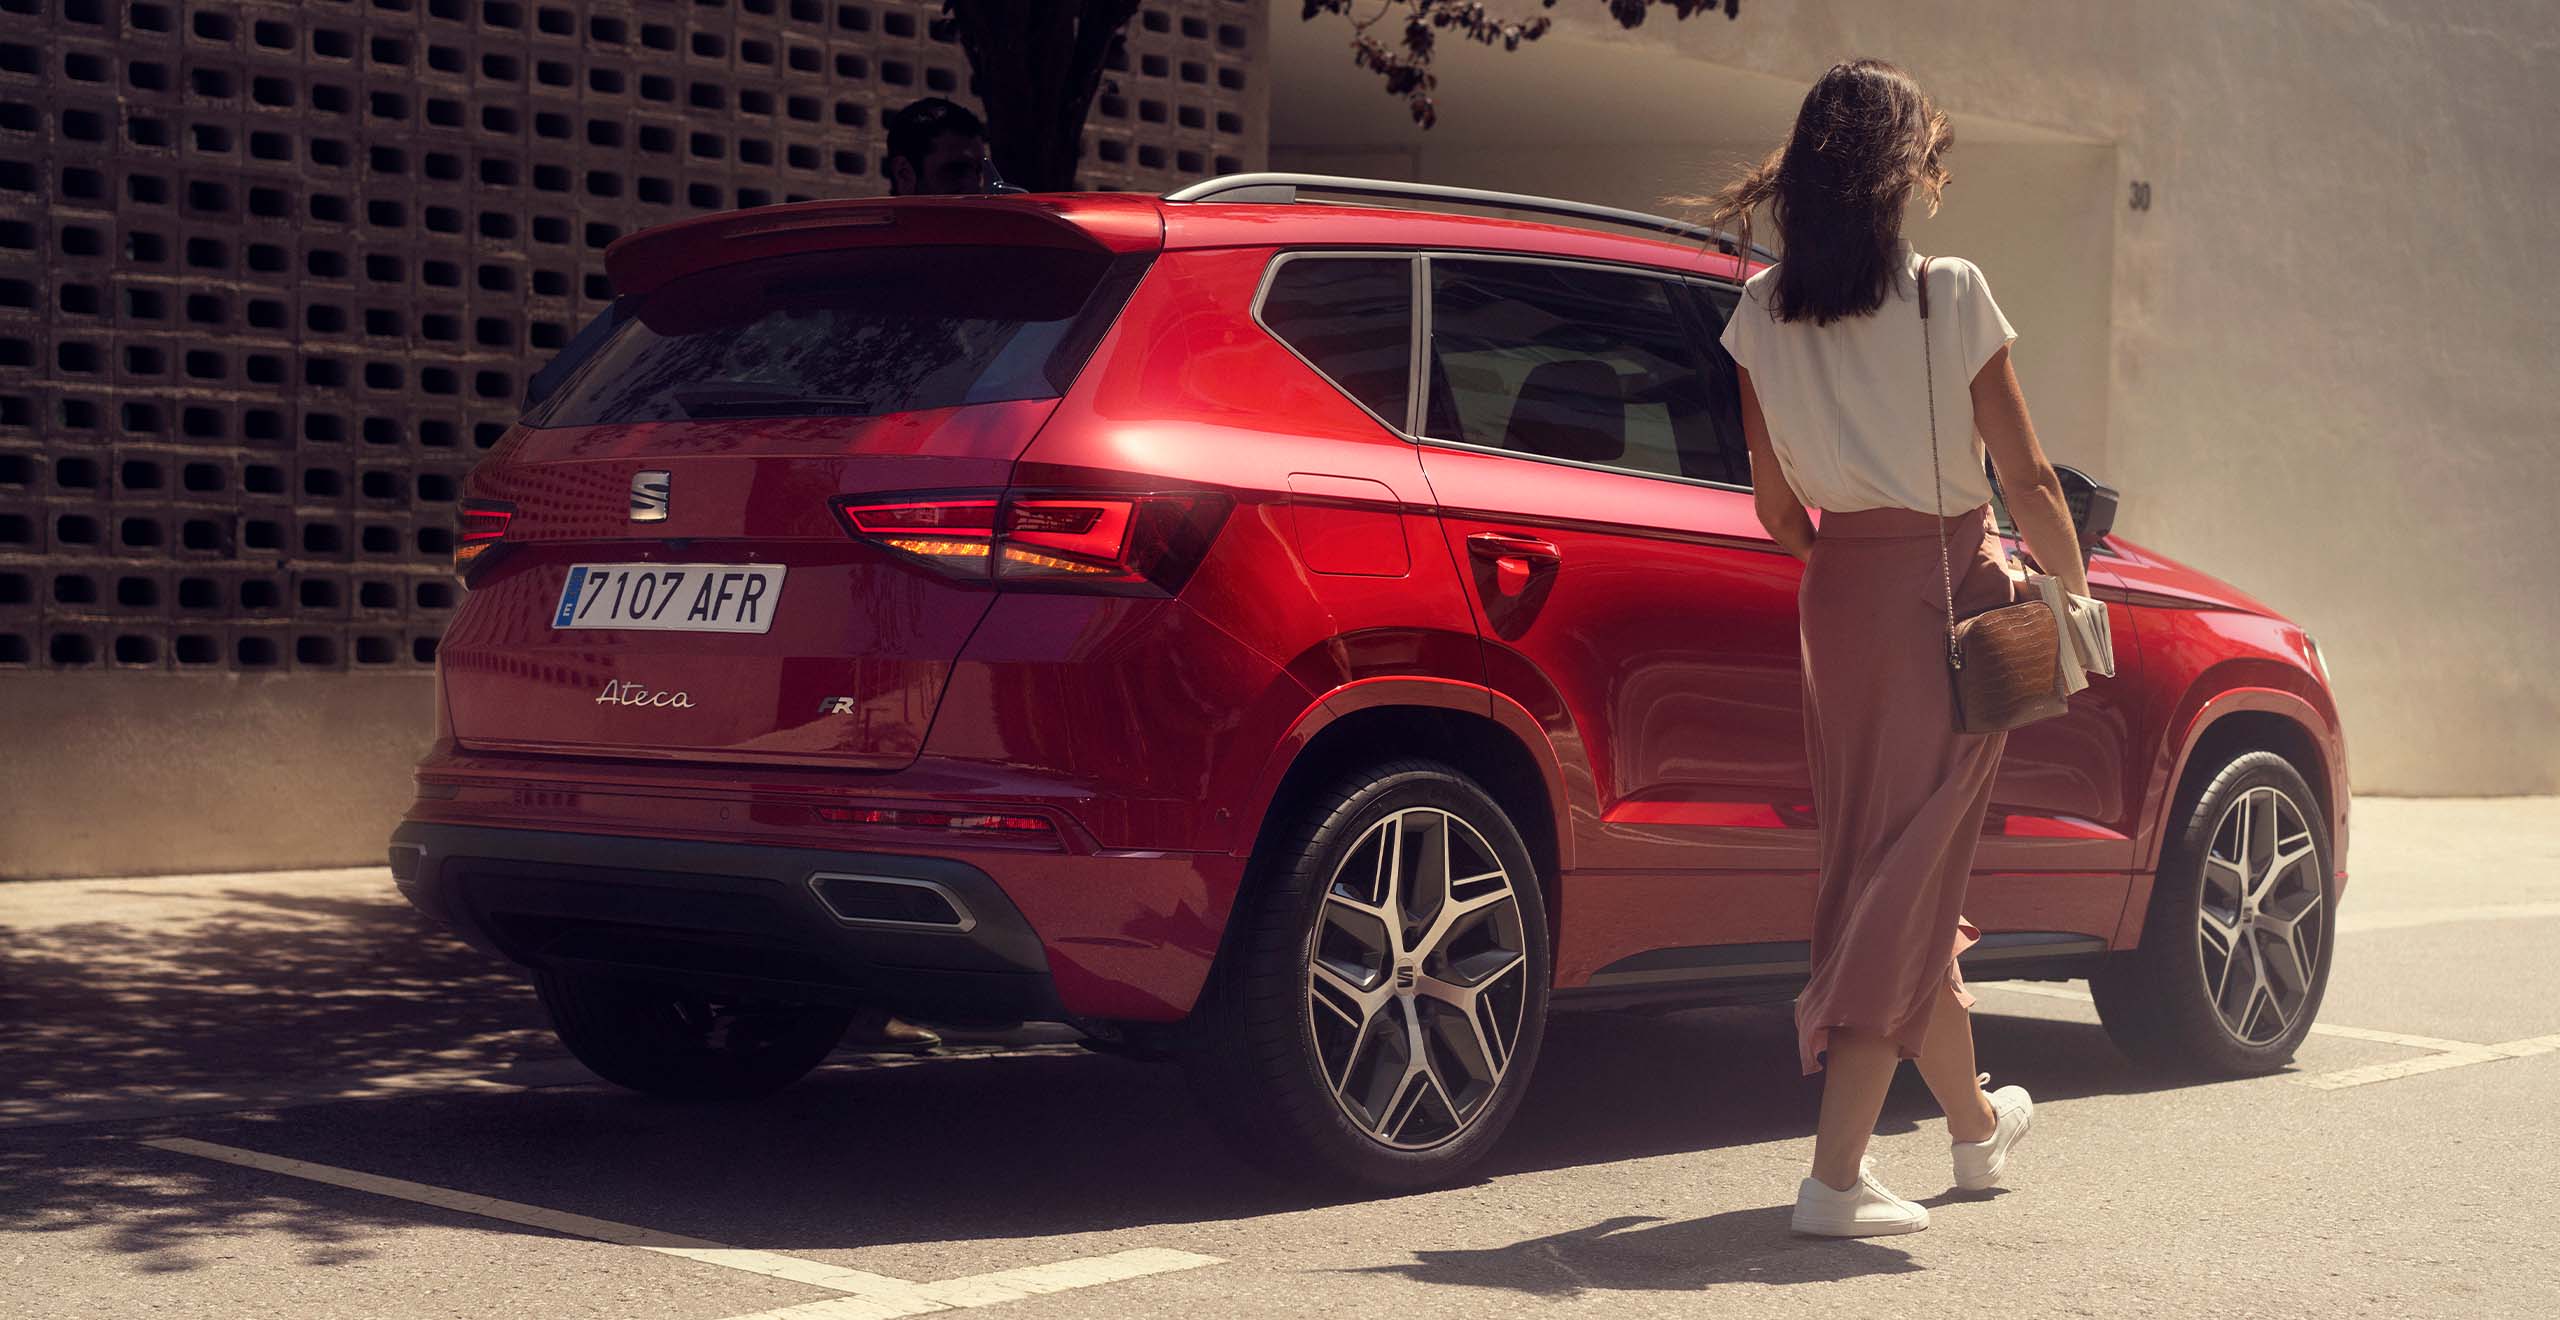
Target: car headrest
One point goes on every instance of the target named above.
(1572, 409)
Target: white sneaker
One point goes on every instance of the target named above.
(1865, 1210)
(1978, 1162)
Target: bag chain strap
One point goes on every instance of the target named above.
(1929, 374)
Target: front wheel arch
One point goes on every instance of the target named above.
(2230, 722)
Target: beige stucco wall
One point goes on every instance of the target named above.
(105, 775)
(2319, 365)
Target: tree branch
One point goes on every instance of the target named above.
(1405, 68)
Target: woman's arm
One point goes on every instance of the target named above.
(1780, 511)
(2034, 493)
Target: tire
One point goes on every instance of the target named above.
(2173, 1002)
(1273, 1036)
(668, 1043)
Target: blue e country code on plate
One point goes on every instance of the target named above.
(730, 598)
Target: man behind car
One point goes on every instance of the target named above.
(936, 147)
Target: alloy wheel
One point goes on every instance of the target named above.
(2258, 927)
(1417, 979)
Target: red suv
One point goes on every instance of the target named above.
(1311, 641)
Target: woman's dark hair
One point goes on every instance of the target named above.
(1866, 138)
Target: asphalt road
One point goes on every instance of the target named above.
(281, 1096)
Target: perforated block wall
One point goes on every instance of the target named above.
(273, 274)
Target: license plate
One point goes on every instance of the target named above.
(730, 598)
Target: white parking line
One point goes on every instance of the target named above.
(2355, 921)
(1000, 1286)
(2390, 1038)
(868, 1296)
(2462, 1057)
(2442, 1053)
(2030, 988)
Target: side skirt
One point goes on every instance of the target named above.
(1715, 974)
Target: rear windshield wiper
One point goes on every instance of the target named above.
(737, 399)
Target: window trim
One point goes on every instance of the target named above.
(1422, 319)
(1417, 369)
(1415, 333)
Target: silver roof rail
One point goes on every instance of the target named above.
(1284, 188)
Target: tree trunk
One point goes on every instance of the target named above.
(1036, 65)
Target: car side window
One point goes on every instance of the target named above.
(1570, 362)
(1352, 318)
(1725, 455)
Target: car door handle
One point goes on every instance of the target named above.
(1512, 545)
(1515, 558)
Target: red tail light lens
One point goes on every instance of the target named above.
(484, 524)
(954, 535)
(1114, 543)
(971, 822)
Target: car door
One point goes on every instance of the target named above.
(1581, 435)
(2051, 868)
(2057, 848)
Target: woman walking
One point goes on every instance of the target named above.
(1854, 349)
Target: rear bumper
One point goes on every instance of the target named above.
(930, 937)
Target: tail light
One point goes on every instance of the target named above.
(1013, 824)
(1124, 544)
(957, 536)
(484, 524)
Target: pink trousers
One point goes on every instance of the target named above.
(1899, 794)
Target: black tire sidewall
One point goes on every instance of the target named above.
(1260, 1034)
(2176, 1018)
(611, 1027)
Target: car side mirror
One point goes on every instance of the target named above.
(2093, 506)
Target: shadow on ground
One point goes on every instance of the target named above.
(1037, 1142)
(216, 992)
(1634, 1253)
(1041, 1141)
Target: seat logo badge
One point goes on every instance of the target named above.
(1404, 977)
(619, 693)
(649, 495)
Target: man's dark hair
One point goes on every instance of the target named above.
(913, 127)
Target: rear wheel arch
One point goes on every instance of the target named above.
(1474, 744)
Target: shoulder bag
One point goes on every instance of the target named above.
(2004, 664)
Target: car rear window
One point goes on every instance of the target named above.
(850, 333)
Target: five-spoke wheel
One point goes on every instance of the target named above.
(2258, 929)
(1378, 1011)
(2235, 950)
(1416, 984)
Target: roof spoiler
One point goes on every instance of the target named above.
(641, 262)
(1285, 189)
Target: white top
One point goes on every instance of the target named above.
(1847, 404)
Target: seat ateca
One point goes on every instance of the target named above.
(1314, 641)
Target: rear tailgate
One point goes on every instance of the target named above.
(740, 400)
